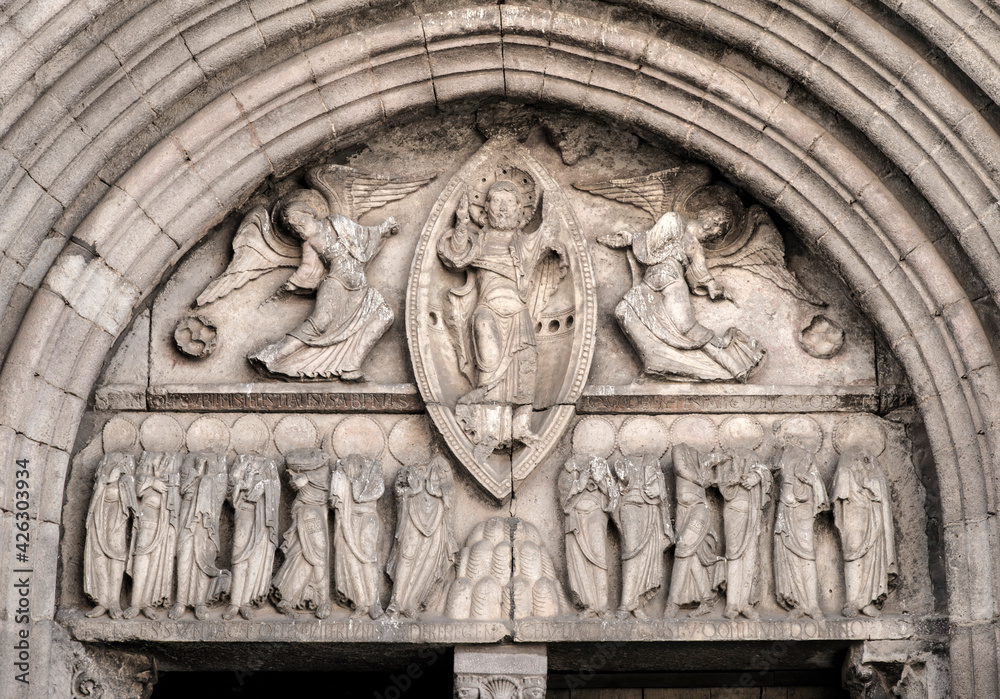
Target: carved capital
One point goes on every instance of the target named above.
(499, 687)
(500, 672)
(907, 669)
(109, 674)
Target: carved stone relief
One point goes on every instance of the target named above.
(424, 548)
(706, 504)
(500, 314)
(303, 581)
(863, 512)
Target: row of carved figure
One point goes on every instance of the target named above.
(174, 503)
(632, 495)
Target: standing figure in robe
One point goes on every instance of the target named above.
(154, 533)
(303, 581)
(254, 493)
(587, 493)
(203, 491)
(349, 316)
(106, 549)
(801, 498)
(425, 545)
(657, 314)
(745, 483)
(356, 484)
(493, 328)
(643, 522)
(862, 512)
(698, 571)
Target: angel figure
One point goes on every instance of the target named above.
(696, 228)
(513, 272)
(330, 250)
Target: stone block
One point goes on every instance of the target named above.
(52, 477)
(292, 22)
(25, 194)
(147, 270)
(300, 105)
(216, 27)
(241, 178)
(235, 47)
(211, 124)
(334, 58)
(174, 87)
(293, 148)
(50, 167)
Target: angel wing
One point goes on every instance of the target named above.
(763, 254)
(656, 193)
(354, 193)
(256, 251)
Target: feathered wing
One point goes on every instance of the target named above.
(763, 254)
(656, 193)
(354, 193)
(256, 251)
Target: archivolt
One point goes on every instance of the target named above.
(274, 121)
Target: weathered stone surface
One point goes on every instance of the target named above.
(868, 134)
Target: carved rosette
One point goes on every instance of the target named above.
(563, 324)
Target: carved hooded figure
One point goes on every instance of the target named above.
(644, 525)
(698, 568)
(203, 491)
(356, 484)
(587, 494)
(862, 511)
(425, 545)
(303, 581)
(801, 498)
(254, 493)
(745, 483)
(105, 552)
(154, 535)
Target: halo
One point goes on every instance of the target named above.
(357, 435)
(521, 179)
(801, 431)
(862, 429)
(696, 431)
(295, 432)
(119, 435)
(161, 433)
(208, 434)
(594, 435)
(410, 440)
(741, 431)
(739, 232)
(249, 435)
(642, 434)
